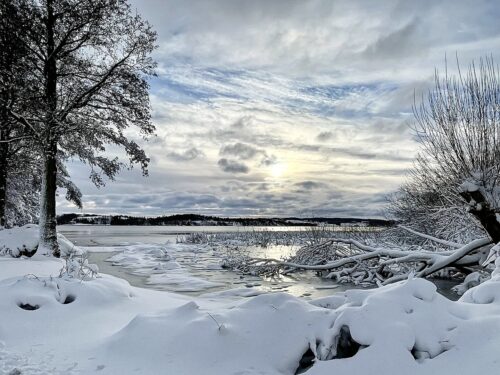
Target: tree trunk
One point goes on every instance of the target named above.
(4, 152)
(483, 212)
(48, 225)
(4, 160)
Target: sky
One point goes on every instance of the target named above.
(288, 107)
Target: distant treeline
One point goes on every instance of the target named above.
(197, 220)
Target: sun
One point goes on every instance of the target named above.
(277, 170)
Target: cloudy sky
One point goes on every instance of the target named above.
(288, 107)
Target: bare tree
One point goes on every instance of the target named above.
(459, 129)
(90, 59)
(428, 211)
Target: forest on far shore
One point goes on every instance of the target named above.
(196, 220)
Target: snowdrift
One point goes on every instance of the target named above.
(19, 241)
(105, 324)
(64, 325)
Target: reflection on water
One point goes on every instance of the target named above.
(205, 264)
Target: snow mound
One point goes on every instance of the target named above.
(105, 325)
(410, 328)
(488, 293)
(403, 328)
(48, 295)
(19, 241)
(265, 335)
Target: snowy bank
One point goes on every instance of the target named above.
(53, 325)
(105, 324)
(19, 241)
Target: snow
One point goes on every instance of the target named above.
(234, 293)
(104, 249)
(492, 255)
(227, 341)
(104, 325)
(12, 267)
(471, 280)
(468, 186)
(182, 281)
(157, 262)
(19, 239)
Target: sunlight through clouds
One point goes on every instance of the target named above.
(253, 98)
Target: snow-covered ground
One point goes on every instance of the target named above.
(53, 325)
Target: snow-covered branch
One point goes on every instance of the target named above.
(432, 238)
(350, 260)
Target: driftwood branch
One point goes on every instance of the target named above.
(365, 263)
(432, 238)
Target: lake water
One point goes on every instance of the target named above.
(201, 265)
(107, 235)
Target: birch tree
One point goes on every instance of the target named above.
(91, 60)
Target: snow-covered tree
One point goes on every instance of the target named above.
(20, 161)
(14, 96)
(90, 59)
(459, 130)
(445, 216)
(23, 191)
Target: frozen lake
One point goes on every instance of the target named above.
(107, 235)
(199, 270)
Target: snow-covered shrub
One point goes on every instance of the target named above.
(320, 253)
(19, 241)
(195, 238)
(67, 248)
(261, 238)
(237, 258)
(77, 265)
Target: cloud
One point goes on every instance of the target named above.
(234, 197)
(243, 122)
(324, 136)
(323, 88)
(186, 155)
(268, 160)
(402, 42)
(232, 166)
(310, 185)
(247, 152)
(241, 151)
